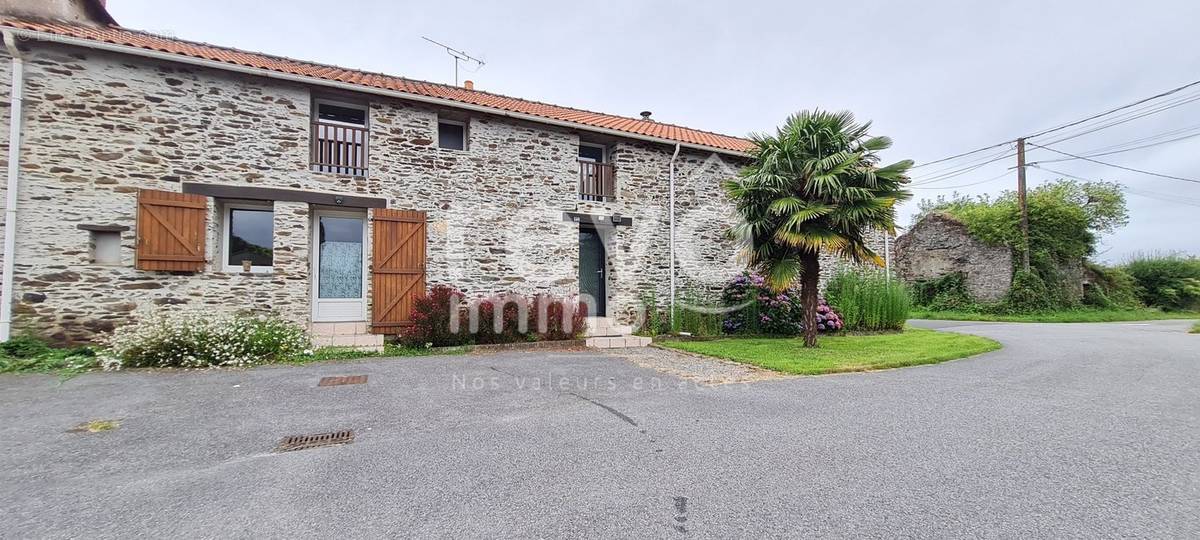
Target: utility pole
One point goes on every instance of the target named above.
(1022, 202)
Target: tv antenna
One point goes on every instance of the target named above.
(459, 56)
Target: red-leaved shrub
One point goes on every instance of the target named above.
(553, 329)
(431, 318)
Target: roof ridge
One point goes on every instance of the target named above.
(375, 78)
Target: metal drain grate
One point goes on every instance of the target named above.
(339, 381)
(304, 442)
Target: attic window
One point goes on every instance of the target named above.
(334, 113)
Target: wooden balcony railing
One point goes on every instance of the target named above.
(339, 149)
(596, 181)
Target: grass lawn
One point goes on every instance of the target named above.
(1196, 328)
(1083, 315)
(838, 354)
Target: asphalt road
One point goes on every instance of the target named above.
(1080, 430)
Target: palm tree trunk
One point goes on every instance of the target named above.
(809, 282)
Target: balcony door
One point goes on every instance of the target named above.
(594, 182)
(339, 266)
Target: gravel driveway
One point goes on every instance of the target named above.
(1080, 430)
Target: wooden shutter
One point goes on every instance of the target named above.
(397, 267)
(170, 231)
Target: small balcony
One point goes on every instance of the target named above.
(339, 149)
(596, 181)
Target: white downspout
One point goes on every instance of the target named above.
(14, 170)
(671, 241)
(887, 256)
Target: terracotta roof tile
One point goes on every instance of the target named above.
(132, 38)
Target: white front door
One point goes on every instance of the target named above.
(339, 266)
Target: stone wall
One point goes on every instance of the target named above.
(939, 245)
(99, 126)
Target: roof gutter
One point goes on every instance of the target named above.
(225, 66)
(14, 182)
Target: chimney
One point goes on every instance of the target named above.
(646, 116)
(469, 85)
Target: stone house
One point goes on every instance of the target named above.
(152, 171)
(940, 245)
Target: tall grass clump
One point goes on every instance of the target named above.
(697, 313)
(868, 300)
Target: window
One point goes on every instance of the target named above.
(452, 135)
(340, 135)
(106, 247)
(248, 238)
(591, 152)
(329, 112)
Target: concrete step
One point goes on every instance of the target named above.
(617, 342)
(339, 328)
(352, 335)
(606, 327)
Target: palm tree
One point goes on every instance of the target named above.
(813, 186)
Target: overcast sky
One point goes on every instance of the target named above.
(938, 77)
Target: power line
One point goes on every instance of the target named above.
(1118, 166)
(976, 151)
(1110, 111)
(1141, 139)
(993, 179)
(960, 171)
(1140, 192)
(937, 172)
(1129, 116)
(1089, 155)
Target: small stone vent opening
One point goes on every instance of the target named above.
(305, 442)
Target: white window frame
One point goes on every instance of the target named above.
(603, 151)
(316, 112)
(466, 138)
(227, 209)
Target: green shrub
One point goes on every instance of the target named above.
(29, 354)
(655, 319)
(1113, 288)
(204, 339)
(868, 300)
(24, 346)
(1170, 282)
(1028, 294)
(946, 293)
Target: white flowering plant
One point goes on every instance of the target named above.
(199, 339)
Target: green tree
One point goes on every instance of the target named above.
(813, 186)
(1066, 217)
